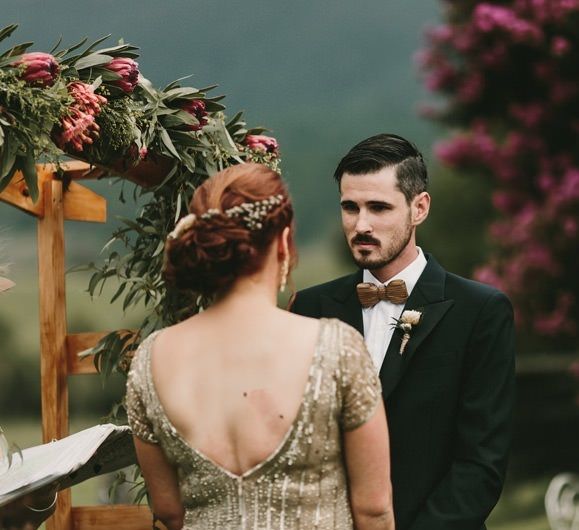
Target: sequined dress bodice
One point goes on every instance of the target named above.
(302, 484)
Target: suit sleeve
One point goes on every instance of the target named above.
(466, 495)
(306, 304)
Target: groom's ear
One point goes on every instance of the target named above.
(419, 208)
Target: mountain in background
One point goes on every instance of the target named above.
(321, 75)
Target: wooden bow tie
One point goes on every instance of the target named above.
(370, 294)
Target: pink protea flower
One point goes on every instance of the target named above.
(40, 68)
(85, 98)
(79, 127)
(196, 107)
(560, 46)
(128, 70)
(260, 142)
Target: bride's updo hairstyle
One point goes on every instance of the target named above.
(234, 217)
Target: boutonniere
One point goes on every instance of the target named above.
(408, 319)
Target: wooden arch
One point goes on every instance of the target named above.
(59, 349)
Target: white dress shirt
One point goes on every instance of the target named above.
(378, 320)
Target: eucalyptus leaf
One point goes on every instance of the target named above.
(19, 49)
(181, 93)
(212, 106)
(66, 51)
(94, 59)
(7, 31)
(9, 151)
(166, 139)
(175, 83)
(28, 166)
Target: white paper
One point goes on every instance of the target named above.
(44, 464)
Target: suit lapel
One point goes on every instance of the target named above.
(428, 298)
(343, 303)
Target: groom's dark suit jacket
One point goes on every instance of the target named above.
(449, 397)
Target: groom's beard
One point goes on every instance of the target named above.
(396, 245)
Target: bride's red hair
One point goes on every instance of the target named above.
(214, 252)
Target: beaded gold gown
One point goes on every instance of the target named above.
(302, 484)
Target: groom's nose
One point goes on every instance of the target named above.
(363, 225)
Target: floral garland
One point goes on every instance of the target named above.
(96, 105)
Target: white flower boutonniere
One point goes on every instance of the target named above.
(406, 323)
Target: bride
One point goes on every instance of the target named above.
(246, 416)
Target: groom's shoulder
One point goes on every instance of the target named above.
(472, 291)
(327, 287)
(308, 301)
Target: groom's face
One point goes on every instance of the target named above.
(376, 218)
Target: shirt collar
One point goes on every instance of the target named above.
(410, 274)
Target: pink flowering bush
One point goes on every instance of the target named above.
(509, 73)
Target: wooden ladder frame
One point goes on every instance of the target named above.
(59, 349)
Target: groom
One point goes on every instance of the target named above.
(447, 380)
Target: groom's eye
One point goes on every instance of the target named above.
(379, 207)
(349, 207)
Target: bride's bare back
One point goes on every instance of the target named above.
(232, 384)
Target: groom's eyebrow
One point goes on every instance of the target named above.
(380, 204)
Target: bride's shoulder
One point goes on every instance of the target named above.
(342, 329)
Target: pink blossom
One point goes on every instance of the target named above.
(559, 320)
(540, 257)
(505, 201)
(465, 39)
(441, 76)
(260, 142)
(487, 274)
(471, 88)
(560, 46)
(570, 227)
(79, 127)
(196, 107)
(40, 68)
(490, 17)
(128, 70)
(85, 97)
(439, 34)
(494, 56)
(143, 152)
(467, 149)
(501, 231)
(529, 114)
(568, 190)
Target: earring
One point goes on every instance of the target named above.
(284, 273)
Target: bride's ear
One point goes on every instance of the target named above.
(283, 244)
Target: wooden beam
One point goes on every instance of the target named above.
(83, 204)
(16, 193)
(52, 309)
(112, 516)
(80, 203)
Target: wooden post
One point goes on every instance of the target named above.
(53, 360)
(58, 350)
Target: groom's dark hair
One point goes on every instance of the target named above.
(387, 150)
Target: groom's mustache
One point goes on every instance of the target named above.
(364, 238)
